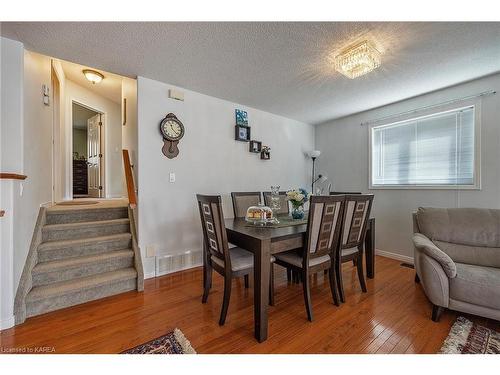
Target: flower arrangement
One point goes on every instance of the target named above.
(298, 198)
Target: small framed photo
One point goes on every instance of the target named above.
(241, 117)
(255, 146)
(265, 153)
(242, 133)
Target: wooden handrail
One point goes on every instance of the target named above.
(12, 176)
(129, 178)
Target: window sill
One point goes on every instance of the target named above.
(424, 187)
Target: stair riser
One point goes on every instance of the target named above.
(87, 270)
(78, 216)
(39, 307)
(82, 250)
(85, 232)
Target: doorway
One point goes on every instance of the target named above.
(88, 152)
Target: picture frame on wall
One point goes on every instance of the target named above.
(241, 117)
(255, 146)
(242, 133)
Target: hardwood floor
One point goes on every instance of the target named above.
(393, 317)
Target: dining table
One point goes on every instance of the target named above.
(266, 241)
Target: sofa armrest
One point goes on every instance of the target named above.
(422, 243)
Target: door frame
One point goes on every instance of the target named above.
(102, 145)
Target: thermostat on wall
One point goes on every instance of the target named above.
(177, 95)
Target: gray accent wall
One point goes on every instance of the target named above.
(210, 162)
(344, 158)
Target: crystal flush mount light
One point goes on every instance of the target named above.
(357, 60)
(93, 76)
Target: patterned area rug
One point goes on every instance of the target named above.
(172, 343)
(466, 337)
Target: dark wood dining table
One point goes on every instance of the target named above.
(263, 242)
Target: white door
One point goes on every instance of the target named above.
(94, 159)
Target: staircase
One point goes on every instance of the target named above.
(79, 255)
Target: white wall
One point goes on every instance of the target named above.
(210, 162)
(129, 130)
(113, 185)
(344, 158)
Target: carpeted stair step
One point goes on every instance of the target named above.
(54, 232)
(63, 249)
(65, 216)
(61, 270)
(42, 299)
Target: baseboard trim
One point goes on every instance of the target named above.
(8, 322)
(388, 254)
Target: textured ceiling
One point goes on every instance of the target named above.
(110, 87)
(282, 68)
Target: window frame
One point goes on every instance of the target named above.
(476, 185)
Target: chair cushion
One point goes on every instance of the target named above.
(346, 252)
(241, 259)
(291, 257)
(477, 285)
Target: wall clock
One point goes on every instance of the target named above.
(172, 130)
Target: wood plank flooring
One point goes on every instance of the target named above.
(393, 317)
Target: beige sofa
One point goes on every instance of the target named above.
(457, 259)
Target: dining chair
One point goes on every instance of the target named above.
(321, 246)
(356, 215)
(242, 200)
(284, 207)
(229, 263)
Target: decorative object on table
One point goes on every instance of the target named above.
(255, 147)
(265, 153)
(172, 343)
(314, 154)
(259, 215)
(241, 117)
(275, 202)
(298, 198)
(466, 337)
(172, 130)
(320, 181)
(242, 133)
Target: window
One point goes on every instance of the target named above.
(436, 150)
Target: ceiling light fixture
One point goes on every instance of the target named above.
(93, 76)
(357, 60)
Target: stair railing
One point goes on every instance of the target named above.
(129, 178)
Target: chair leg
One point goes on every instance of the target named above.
(334, 286)
(361, 275)
(354, 262)
(307, 295)
(247, 282)
(288, 274)
(225, 301)
(436, 312)
(208, 284)
(340, 284)
(271, 285)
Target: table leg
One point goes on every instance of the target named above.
(370, 249)
(262, 259)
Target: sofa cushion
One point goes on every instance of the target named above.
(477, 285)
(466, 226)
(477, 255)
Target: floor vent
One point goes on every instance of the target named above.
(166, 264)
(407, 265)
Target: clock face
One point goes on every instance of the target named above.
(172, 129)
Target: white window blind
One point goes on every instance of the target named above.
(435, 150)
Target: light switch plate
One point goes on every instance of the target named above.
(150, 251)
(171, 177)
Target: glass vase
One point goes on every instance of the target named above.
(298, 212)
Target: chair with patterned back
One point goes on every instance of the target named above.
(355, 221)
(284, 207)
(230, 263)
(244, 199)
(321, 246)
